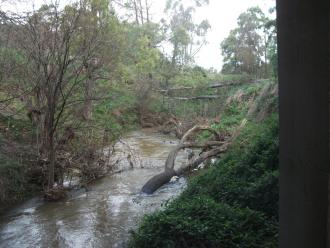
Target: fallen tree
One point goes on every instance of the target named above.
(210, 86)
(209, 149)
(214, 85)
(204, 97)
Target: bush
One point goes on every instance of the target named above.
(13, 181)
(201, 222)
(233, 204)
(247, 176)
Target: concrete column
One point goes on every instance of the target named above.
(303, 45)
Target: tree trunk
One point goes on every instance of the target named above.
(136, 12)
(147, 11)
(141, 11)
(88, 104)
(214, 148)
(49, 144)
(51, 159)
(157, 181)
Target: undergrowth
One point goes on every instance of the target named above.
(14, 185)
(233, 204)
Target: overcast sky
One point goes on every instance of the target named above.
(221, 14)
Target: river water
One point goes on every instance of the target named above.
(104, 215)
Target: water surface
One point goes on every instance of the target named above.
(104, 215)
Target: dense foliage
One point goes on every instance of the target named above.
(82, 74)
(13, 180)
(251, 47)
(233, 204)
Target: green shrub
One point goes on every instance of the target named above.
(18, 130)
(247, 175)
(233, 204)
(201, 222)
(13, 181)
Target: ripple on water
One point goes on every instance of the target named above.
(103, 216)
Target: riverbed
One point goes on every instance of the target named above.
(104, 215)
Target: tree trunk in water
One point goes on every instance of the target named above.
(214, 148)
(157, 181)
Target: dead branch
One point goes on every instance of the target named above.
(204, 97)
(197, 129)
(210, 149)
(204, 156)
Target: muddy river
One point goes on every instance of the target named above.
(104, 215)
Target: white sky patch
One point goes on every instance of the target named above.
(222, 16)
